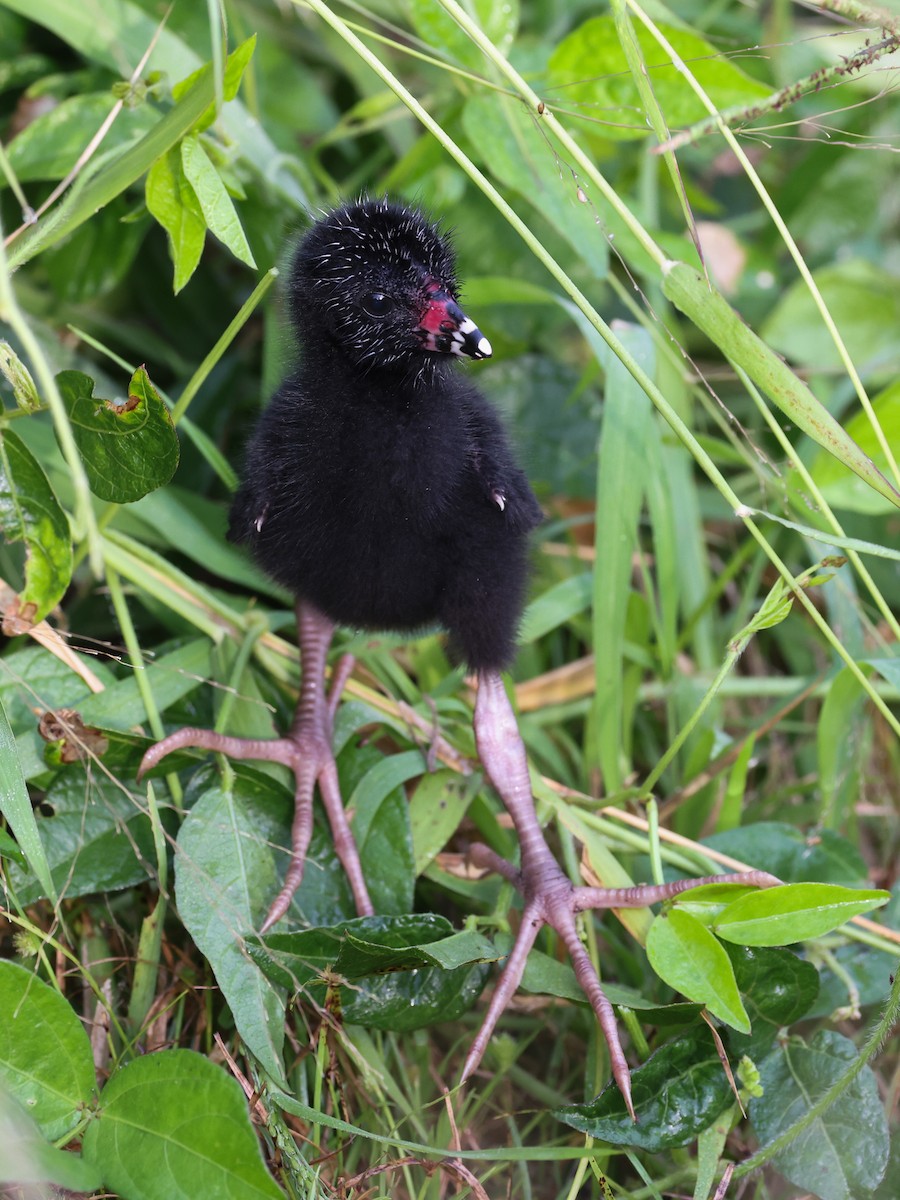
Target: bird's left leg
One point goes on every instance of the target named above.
(549, 896)
(306, 749)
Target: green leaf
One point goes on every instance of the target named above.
(49, 146)
(794, 912)
(591, 61)
(111, 32)
(843, 490)
(215, 203)
(508, 139)
(96, 836)
(15, 805)
(792, 855)
(407, 971)
(91, 194)
(30, 513)
(174, 1124)
(628, 428)
(171, 676)
(32, 676)
(689, 291)
(28, 1158)
(45, 1056)
(556, 606)
(778, 988)
(376, 799)
(677, 1093)
(225, 880)
(235, 65)
(98, 256)
(863, 300)
(843, 1154)
(128, 449)
(438, 29)
(439, 803)
(173, 202)
(685, 954)
(360, 956)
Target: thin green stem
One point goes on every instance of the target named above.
(84, 510)
(136, 657)
(230, 333)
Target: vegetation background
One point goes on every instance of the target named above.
(708, 674)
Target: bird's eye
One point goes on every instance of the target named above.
(376, 304)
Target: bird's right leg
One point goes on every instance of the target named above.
(306, 749)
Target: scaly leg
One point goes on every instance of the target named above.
(306, 749)
(550, 897)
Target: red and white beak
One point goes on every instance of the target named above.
(446, 329)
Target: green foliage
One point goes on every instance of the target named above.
(700, 431)
(128, 449)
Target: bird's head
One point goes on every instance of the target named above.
(378, 279)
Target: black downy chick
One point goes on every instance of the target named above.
(380, 488)
(379, 485)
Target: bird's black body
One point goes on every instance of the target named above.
(379, 484)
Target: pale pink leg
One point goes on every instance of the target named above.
(550, 897)
(306, 750)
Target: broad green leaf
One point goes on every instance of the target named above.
(438, 29)
(592, 63)
(405, 972)
(45, 1056)
(689, 291)
(171, 676)
(792, 855)
(96, 836)
(31, 676)
(840, 741)
(111, 32)
(685, 954)
(49, 146)
(215, 203)
(508, 139)
(15, 805)
(795, 912)
(360, 956)
(128, 449)
(849, 491)
(677, 1093)
(89, 195)
(29, 1158)
(235, 65)
(30, 513)
(628, 427)
(172, 200)
(225, 880)
(777, 988)
(174, 1124)
(863, 300)
(438, 805)
(556, 605)
(379, 819)
(843, 1154)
